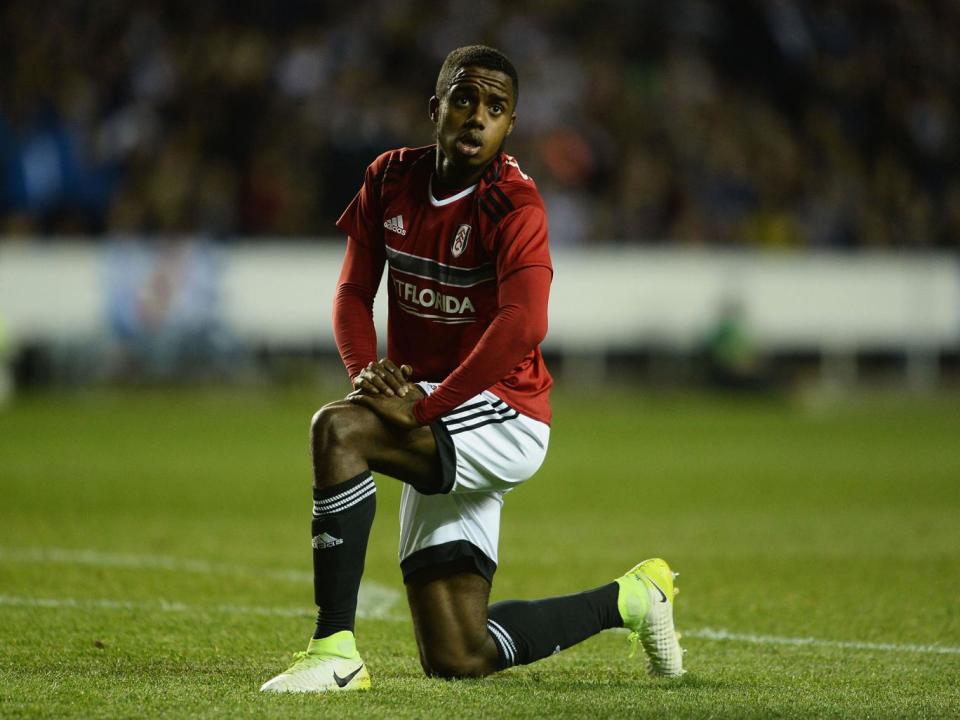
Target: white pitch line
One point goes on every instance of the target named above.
(167, 606)
(375, 600)
(714, 634)
(159, 606)
(702, 634)
(146, 562)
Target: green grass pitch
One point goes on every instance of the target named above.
(154, 558)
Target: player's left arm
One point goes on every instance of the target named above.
(524, 272)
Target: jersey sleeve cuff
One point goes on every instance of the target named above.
(419, 414)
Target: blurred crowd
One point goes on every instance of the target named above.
(762, 123)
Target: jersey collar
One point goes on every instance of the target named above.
(447, 200)
(490, 176)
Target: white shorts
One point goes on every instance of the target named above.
(486, 449)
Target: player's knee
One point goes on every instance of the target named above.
(450, 663)
(336, 425)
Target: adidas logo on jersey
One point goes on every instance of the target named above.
(395, 224)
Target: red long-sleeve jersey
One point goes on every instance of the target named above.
(468, 283)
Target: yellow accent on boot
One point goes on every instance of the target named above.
(645, 602)
(330, 664)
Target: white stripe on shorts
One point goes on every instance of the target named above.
(478, 414)
(493, 452)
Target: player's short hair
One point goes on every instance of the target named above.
(475, 56)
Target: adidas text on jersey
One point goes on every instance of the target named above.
(395, 224)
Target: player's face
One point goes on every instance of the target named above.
(472, 120)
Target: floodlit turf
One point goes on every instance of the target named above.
(154, 559)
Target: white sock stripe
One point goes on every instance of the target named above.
(512, 653)
(502, 643)
(333, 498)
(508, 636)
(352, 500)
(500, 639)
(498, 628)
(343, 504)
(348, 504)
(340, 498)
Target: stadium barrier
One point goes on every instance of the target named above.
(279, 295)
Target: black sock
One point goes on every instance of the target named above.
(342, 517)
(526, 631)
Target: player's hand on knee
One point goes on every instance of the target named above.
(383, 377)
(370, 381)
(393, 410)
(396, 376)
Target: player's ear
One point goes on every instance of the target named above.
(513, 121)
(434, 108)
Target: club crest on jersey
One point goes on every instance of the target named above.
(460, 239)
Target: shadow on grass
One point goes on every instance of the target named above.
(563, 682)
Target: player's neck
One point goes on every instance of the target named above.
(448, 179)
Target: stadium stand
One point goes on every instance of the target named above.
(757, 124)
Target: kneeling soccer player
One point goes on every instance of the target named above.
(464, 419)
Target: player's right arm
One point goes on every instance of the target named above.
(353, 325)
(363, 265)
(524, 272)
